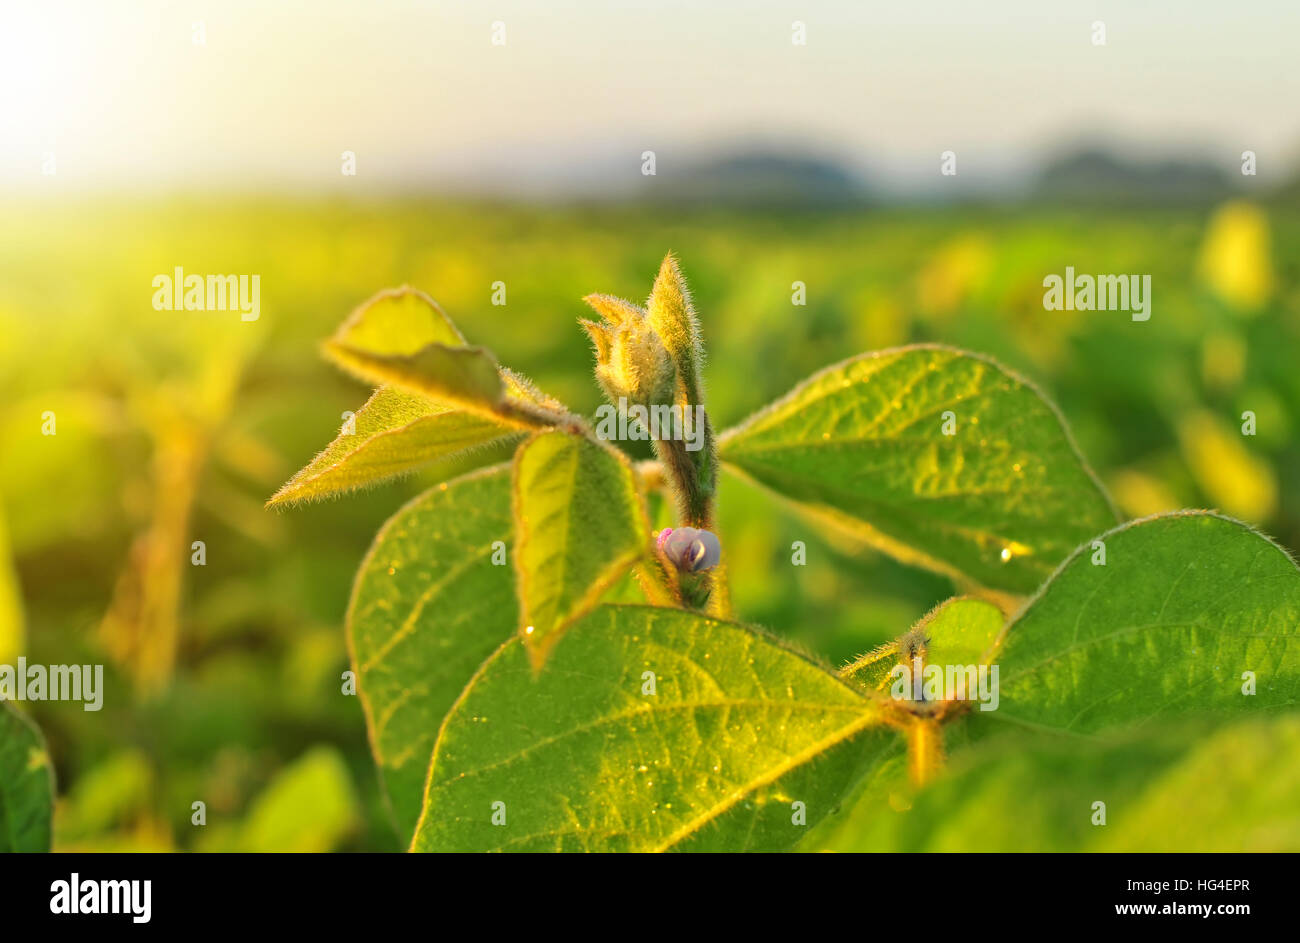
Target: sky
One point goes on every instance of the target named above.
(124, 95)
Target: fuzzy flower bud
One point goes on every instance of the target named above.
(631, 360)
(689, 548)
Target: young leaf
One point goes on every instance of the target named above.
(465, 377)
(671, 315)
(397, 322)
(26, 785)
(614, 310)
(393, 433)
(864, 445)
(401, 337)
(1181, 788)
(961, 631)
(309, 807)
(651, 729)
(433, 598)
(958, 631)
(1186, 610)
(581, 525)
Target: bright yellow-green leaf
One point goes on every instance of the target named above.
(393, 433)
(650, 729)
(309, 808)
(107, 796)
(402, 338)
(939, 457)
(959, 631)
(466, 377)
(581, 524)
(435, 596)
(397, 322)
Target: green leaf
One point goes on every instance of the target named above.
(581, 524)
(401, 337)
(959, 631)
(393, 433)
(614, 310)
(428, 607)
(1000, 502)
(466, 377)
(1115, 683)
(26, 785)
(738, 731)
(1182, 788)
(862, 819)
(309, 808)
(398, 322)
(104, 798)
(1184, 605)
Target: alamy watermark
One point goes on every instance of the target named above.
(945, 683)
(1098, 293)
(639, 423)
(181, 292)
(76, 896)
(24, 682)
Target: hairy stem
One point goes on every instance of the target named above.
(658, 586)
(693, 475)
(924, 749)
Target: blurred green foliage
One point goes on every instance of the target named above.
(225, 683)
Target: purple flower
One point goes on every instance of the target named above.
(689, 548)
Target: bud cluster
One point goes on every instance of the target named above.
(631, 360)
